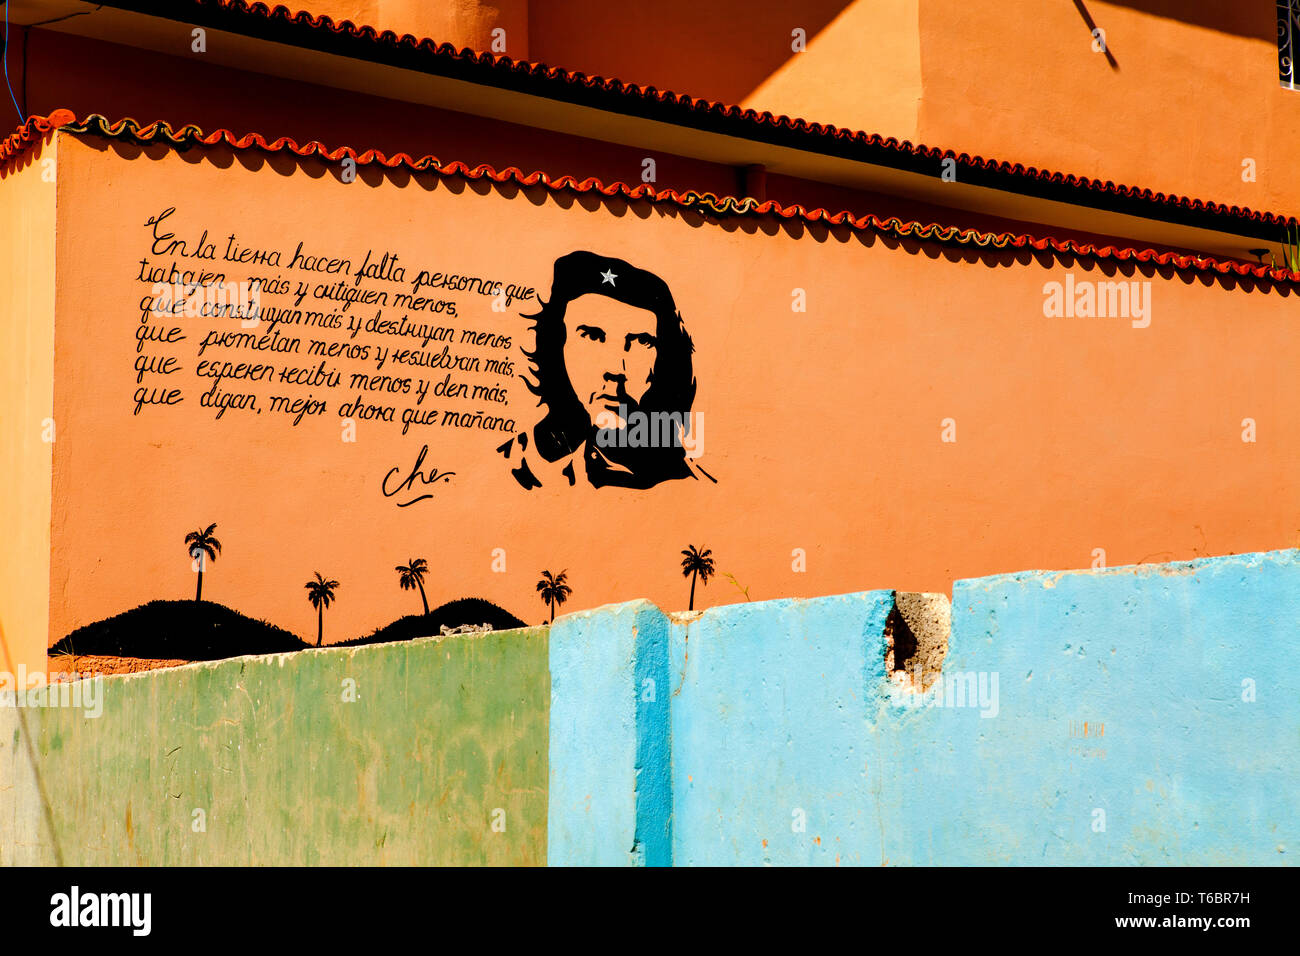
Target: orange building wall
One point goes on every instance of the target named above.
(1193, 92)
(860, 68)
(1189, 92)
(464, 23)
(823, 428)
(89, 76)
(27, 277)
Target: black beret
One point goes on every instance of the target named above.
(580, 273)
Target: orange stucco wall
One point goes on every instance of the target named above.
(1193, 92)
(824, 427)
(27, 436)
(1190, 90)
(464, 23)
(1189, 93)
(90, 76)
(860, 64)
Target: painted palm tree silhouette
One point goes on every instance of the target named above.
(696, 562)
(203, 547)
(411, 576)
(321, 595)
(554, 590)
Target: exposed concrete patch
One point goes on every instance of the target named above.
(66, 664)
(916, 638)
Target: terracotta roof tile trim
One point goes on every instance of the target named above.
(38, 128)
(451, 54)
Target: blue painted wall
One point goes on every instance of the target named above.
(768, 731)
(1133, 716)
(610, 800)
(1130, 716)
(1165, 659)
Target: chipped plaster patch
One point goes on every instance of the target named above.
(916, 638)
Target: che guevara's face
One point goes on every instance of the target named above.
(609, 352)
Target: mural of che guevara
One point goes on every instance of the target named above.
(611, 366)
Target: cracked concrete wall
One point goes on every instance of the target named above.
(610, 803)
(20, 813)
(1148, 715)
(1142, 715)
(771, 762)
(439, 759)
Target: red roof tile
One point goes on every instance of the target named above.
(558, 83)
(37, 128)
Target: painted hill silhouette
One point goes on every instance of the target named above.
(453, 614)
(205, 631)
(179, 630)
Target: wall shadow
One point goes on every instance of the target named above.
(1254, 20)
(719, 51)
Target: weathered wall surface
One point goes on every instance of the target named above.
(1141, 715)
(769, 732)
(1132, 716)
(442, 735)
(611, 801)
(1162, 701)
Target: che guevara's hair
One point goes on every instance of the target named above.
(567, 423)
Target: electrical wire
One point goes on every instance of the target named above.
(21, 118)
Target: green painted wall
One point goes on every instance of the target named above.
(442, 734)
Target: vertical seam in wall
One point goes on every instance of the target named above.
(653, 837)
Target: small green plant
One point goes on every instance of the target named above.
(732, 578)
(1290, 250)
